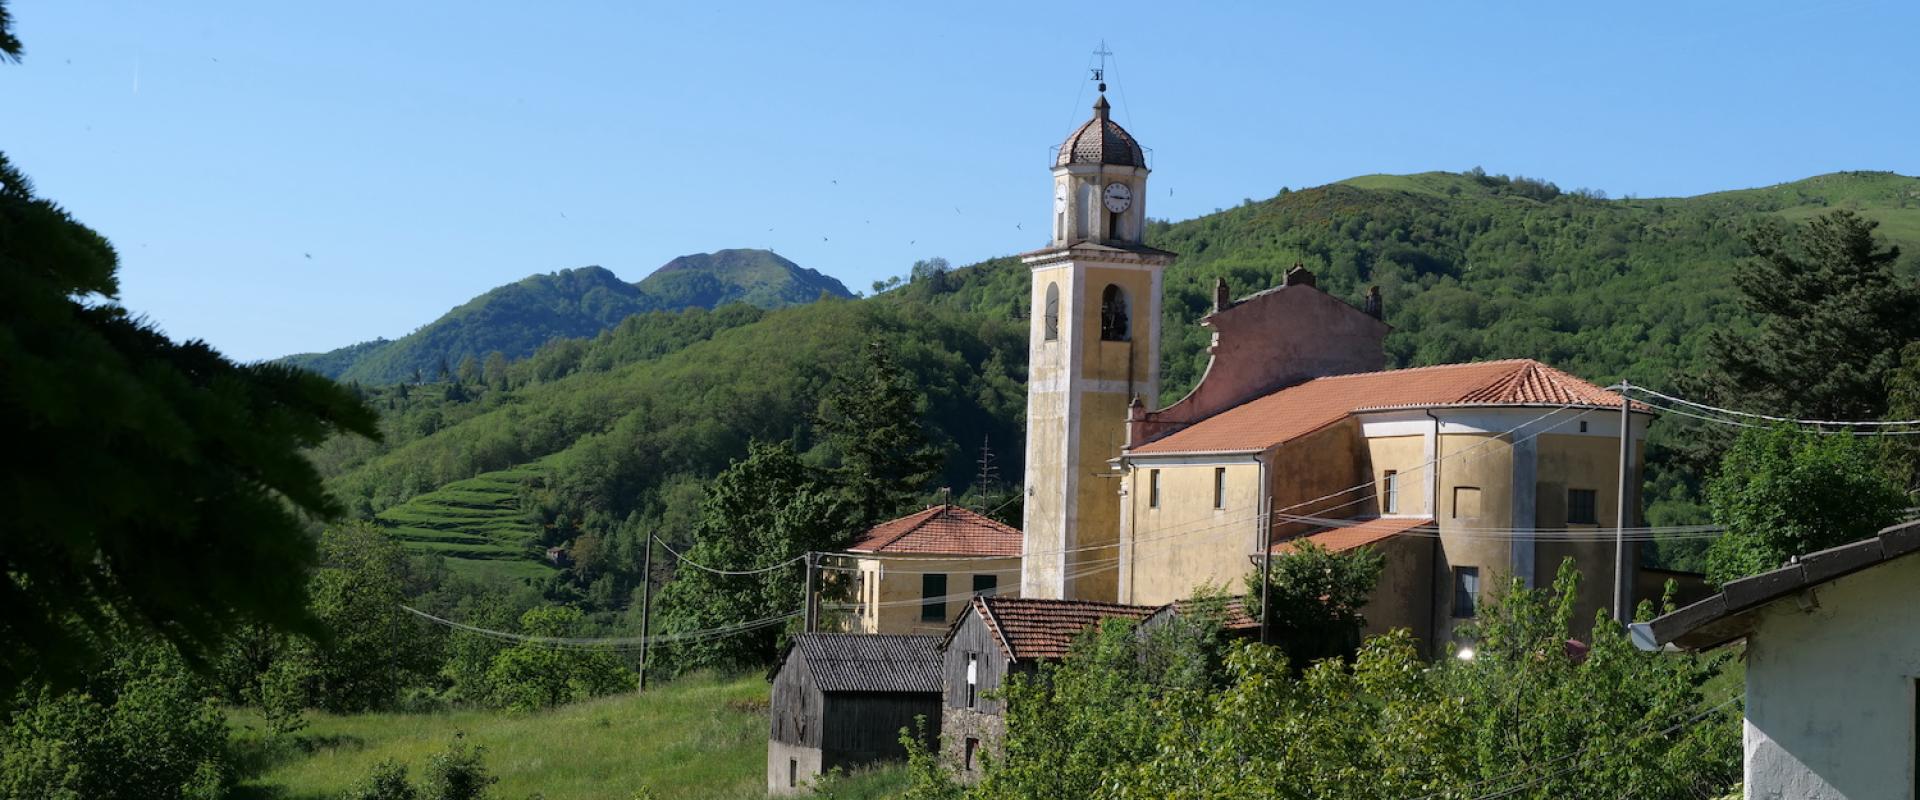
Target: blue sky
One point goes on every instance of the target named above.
(284, 177)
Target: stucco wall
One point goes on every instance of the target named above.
(1186, 543)
(1581, 462)
(890, 590)
(778, 755)
(1830, 692)
(1050, 404)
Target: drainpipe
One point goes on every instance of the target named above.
(1264, 536)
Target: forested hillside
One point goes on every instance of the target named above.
(513, 320)
(629, 425)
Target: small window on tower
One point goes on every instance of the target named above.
(1390, 493)
(1053, 312)
(1113, 315)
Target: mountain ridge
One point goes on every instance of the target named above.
(517, 318)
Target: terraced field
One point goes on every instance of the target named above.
(476, 523)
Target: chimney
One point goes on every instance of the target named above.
(1372, 305)
(1298, 276)
(1222, 300)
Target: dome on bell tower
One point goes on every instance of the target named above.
(1101, 141)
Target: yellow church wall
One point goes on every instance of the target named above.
(1407, 456)
(1581, 462)
(1048, 428)
(1315, 475)
(1186, 543)
(889, 592)
(1108, 361)
(1472, 464)
(1094, 572)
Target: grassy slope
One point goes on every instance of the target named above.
(698, 737)
(476, 523)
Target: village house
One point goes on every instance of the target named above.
(995, 637)
(916, 572)
(1464, 476)
(1832, 668)
(840, 700)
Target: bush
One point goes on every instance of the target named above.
(457, 773)
(386, 781)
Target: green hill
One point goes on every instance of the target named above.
(476, 523)
(1471, 266)
(693, 738)
(516, 319)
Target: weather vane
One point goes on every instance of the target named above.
(1100, 72)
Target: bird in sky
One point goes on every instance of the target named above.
(308, 255)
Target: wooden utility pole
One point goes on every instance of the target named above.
(813, 599)
(646, 608)
(1622, 574)
(1266, 574)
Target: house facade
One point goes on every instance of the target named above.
(915, 573)
(993, 638)
(840, 700)
(1832, 668)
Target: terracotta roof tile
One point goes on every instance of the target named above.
(1031, 628)
(944, 530)
(1306, 407)
(1366, 532)
(1233, 613)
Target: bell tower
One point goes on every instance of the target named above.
(1094, 348)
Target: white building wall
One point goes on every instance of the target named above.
(1830, 691)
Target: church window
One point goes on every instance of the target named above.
(1053, 312)
(1466, 502)
(1581, 507)
(1153, 488)
(1113, 315)
(1390, 493)
(1466, 591)
(1219, 487)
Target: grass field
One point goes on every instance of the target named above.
(699, 737)
(476, 523)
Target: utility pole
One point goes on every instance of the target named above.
(813, 600)
(646, 608)
(1622, 576)
(1266, 573)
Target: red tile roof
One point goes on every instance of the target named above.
(1306, 407)
(1233, 615)
(1361, 534)
(1031, 628)
(944, 530)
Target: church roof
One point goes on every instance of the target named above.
(1308, 406)
(1356, 533)
(944, 529)
(1101, 141)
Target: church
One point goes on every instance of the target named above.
(1463, 476)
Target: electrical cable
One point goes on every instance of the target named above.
(683, 559)
(606, 643)
(1771, 418)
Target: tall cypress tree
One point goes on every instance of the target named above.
(873, 427)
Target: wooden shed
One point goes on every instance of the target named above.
(841, 699)
(996, 637)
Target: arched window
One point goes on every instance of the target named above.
(1113, 315)
(1053, 312)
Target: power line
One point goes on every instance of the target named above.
(683, 559)
(1771, 418)
(605, 643)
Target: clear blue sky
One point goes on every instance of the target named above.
(284, 177)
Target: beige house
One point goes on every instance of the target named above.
(915, 573)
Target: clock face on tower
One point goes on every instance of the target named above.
(1118, 197)
(1060, 198)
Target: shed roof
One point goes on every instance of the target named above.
(1033, 628)
(1234, 617)
(870, 662)
(1305, 407)
(944, 529)
(1731, 614)
(1360, 533)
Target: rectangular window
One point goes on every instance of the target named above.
(985, 584)
(1390, 493)
(933, 594)
(1219, 487)
(1466, 502)
(1153, 488)
(1580, 507)
(973, 679)
(793, 773)
(973, 746)
(1466, 591)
